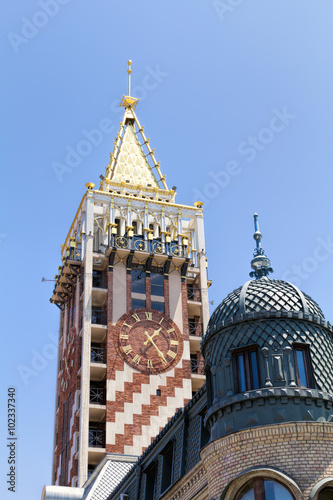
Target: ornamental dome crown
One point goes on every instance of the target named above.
(263, 295)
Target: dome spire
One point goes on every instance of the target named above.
(260, 264)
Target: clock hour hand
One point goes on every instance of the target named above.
(156, 332)
(150, 339)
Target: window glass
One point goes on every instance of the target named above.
(326, 494)
(249, 495)
(159, 306)
(241, 373)
(157, 281)
(247, 370)
(275, 491)
(300, 357)
(254, 368)
(138, 279)
(264, 489)
(167, 467)
(137, 303)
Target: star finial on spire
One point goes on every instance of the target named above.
(260, 263)
(128, 101)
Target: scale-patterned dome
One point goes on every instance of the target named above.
(260, 295)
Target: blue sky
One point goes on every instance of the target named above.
(236, 99)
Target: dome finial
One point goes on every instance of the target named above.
(260, 263)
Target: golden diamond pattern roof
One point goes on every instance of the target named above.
(131, 164)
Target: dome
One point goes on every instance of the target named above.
(263, 295)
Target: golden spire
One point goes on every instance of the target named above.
(128, 101)
(129, 71)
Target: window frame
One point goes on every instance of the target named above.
(257, 483)
(141, 270)
(248, 367)
(307, 364)
(168, 454)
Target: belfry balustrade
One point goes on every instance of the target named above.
(156, 245)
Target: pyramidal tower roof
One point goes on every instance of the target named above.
(133, 160)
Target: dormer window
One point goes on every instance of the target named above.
(246, 368)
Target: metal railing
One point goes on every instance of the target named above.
(96, 438)
(152, 246)
(198, 366)
(195, 328)
(98, 355)
(97, 395)
(98, 317)
(193, 294)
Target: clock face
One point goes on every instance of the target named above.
(149, 341)
(67, 361)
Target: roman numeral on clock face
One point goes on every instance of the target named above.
(136, 359)
(171, 354)
(174, 342)
(171, 330)
(127, 349)
(136, 317)
(149, 315)
(123, 336)
(149, 363)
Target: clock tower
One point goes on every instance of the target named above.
(133, 297)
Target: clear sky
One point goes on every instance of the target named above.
(236, 97)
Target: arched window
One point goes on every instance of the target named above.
(264, 489)
(326, 494)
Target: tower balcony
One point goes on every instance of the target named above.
(96, 450)
(193, 301)
(198, 376)
(98, 316)
(96, 438)
(98, 354)
(97, 363)
(97, 403)
(98, 324)
(99, 288)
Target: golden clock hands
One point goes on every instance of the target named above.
(160, 353)
(156, 332)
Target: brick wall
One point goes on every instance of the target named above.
(302, 450)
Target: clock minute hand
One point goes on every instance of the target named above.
(160, 353)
